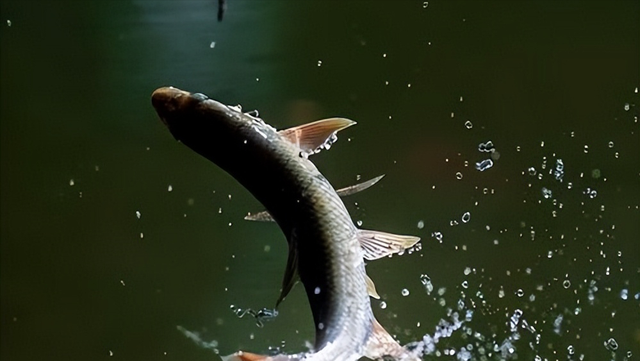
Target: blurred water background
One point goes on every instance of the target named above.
(118, 243)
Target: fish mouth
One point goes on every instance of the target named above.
(167, 100)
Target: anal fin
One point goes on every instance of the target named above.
(376, 244)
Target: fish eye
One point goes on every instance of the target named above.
(199, 96)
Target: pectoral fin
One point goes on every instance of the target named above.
(264, 216)
(291, 271)
(346, 191)
(377, 244)
(311, 137)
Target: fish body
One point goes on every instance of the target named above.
(325, 247)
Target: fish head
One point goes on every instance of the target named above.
(204, 125)
(184, 112)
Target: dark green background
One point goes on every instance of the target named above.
(82, 151)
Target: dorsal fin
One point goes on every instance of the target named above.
(312, 137)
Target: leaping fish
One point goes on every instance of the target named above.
(326, 250)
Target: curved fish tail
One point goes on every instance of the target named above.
(381, 345)
(248, 356)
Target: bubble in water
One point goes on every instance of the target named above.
(383, 305)
(465, 284)
(458, 175)
(626, 107)
(566, 284)
(138, 214)
(519, 292)
(319, 62)
(466, 217)
(420, 224)
(169, 188)
(546, 193)
(484, 165)
(437, 235)
(425, 4)
(570, 350)
(611, 344)
(405, 292)
(468, 124)
(586, 148)
(531, 171)
(611, 144)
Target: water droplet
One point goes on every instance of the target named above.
(624, 294)
(468, 124)
(405, 292)
(558, 173)
(611, 344)
(486, 147)
(466, 217)
(592, 193)
(458, 175)
(426, 282)
(484, 165)
(420, 224)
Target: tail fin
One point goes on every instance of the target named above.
(381, 344)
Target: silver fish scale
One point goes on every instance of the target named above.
(348, 323)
